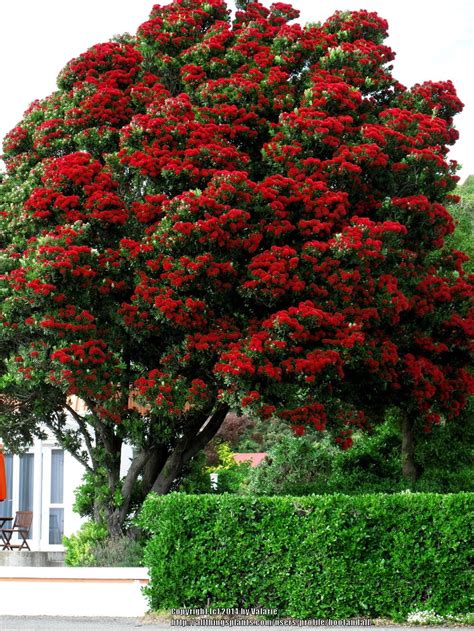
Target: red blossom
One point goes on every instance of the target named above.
(251, 212)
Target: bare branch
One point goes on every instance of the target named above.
(84, 431)
(61, 438)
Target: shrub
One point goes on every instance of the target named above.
(79, 546)
(195, 479)
(295, 466)
(300, 466)
(232, 475)
(90, 547)
(329, 556)
(118, 552)
(372, 465)
(446, 456)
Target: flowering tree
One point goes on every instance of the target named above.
(216, 214)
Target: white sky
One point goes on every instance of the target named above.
(433, 40)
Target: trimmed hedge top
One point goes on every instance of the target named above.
(317, 556)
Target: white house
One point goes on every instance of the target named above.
(43, 480)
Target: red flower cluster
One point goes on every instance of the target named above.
(248, 211)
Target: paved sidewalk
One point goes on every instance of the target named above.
(47, 623)
(18, 623)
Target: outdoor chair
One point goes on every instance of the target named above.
(21, 526)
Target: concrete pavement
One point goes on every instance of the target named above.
(58, 623)
(46, 623)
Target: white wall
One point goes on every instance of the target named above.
(72, 591)
(73, 472)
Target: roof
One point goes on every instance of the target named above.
(254, 459)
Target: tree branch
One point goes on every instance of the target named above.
(61, 438)
(186, 448)
(206, 433)
(133, 472)
(84, 431)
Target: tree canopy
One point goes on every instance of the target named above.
(218, 214)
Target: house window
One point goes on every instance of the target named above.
(26, 482)
(25, 499)
(56, 510)
(6, 507)
(56, 525)
(57, 476)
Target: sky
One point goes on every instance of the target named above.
(432, 39)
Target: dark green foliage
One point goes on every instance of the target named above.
(463, 214)
(262, 434)
(300, 466)
(446, 456)
(118, 552)
(295, 466)
(90, 547)
(313, 557)
(241, 4)
(372, 465)
(232, 476)
(313, 464)
(195, 478)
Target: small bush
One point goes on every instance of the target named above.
(90, 547)
(331, 556)
(118, 552)
(295, 466)
(79, 546)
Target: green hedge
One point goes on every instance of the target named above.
(321, 556)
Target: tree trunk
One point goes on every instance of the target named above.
(158, 468)
(152, 468)
(187, 448)
(115, 523)
(169, 473)
(410, 470)
(98, 511)
(146, 463)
